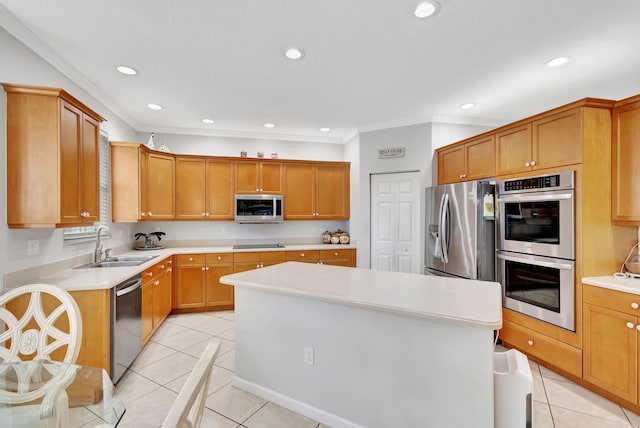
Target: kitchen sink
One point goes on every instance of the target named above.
(120, 261)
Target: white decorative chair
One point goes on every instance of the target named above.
(186, 411)
(35, 335)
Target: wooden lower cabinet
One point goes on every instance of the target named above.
(337, 257)
(198, 281)
(611, 321)
(257, 259)
(542, 348)
(156, 296)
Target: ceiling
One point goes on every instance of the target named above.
(367, 64)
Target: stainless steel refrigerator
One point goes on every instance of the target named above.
(460, 230)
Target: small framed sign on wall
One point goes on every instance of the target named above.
(393, 152)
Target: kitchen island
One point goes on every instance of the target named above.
(359, 348)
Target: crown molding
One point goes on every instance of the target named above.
(231, 133)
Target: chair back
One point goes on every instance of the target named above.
(38, 332)
(189, 405)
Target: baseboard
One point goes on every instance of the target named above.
(299, 407)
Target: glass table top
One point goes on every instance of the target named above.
(31, 392)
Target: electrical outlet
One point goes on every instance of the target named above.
(33, 247)
(308, 355)
(314, 228)
(225, 229)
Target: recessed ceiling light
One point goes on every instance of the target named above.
(293, 53)
(467, 106)
(127, 70)
(557, 62)
(426, 9)
(325, 129)
(208, 121)
(269, 125)
(154, 106)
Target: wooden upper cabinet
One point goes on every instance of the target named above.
(258, 176)
(220, 188)
(191, 189)
(513, 148)
(625, 163)
(315, 191)
(160, 187)
(472, 160)
(557, 139)
(128, 182)
(204, 189)
(52, 159)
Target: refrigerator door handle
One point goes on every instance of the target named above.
(444, 231)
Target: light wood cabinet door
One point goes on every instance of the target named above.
(451, 165)
(70, 155)
(168, 288)
(90, 170)
(191, 191)
(331, 192)
(625, 165)
(160, 187)
(480, 158)
(557, 139)
(299, 191)
(611, 351)
(514, 150)
(218, 294)
(258, 177)
(220, 188)
(158, 300)
(190, 291)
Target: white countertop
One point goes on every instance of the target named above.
(104, 278)
(463, 301)
(628, 285)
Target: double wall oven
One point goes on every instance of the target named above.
(536, 249)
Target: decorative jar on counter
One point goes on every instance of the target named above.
(335, 239)
(344, 238)
(326, 237)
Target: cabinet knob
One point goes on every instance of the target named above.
(169, 270)
(258, 266)
(638, 326)
(527, 164)
(207, 268)
(150, 213)
(156, 283)
(634, 305)
(161, 266)
(204, 214)
(530, 342)
(190, 259)
(149, 274)
(219, 257)
(208, 214)
(202, 268)
(460, 176)
(335, 254)
(142, 214)
(533, 163)
(301, 254)
(630, 324)
(169, 262)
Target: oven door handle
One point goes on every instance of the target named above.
(534, 198)
(553, 265)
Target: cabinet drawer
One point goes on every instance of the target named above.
(219, 258)
(273, 256)
(335, 254)
(302, 256)
(543, 348)
(612, 299)
(191, 259)
(252, 256)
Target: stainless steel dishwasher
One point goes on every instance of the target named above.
(126, 325)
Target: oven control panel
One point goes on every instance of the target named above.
(532, 183)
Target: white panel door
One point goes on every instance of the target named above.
(395, 222)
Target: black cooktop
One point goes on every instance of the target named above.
(256, 246)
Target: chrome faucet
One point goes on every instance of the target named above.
(97, 254)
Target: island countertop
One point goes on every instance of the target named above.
(463, 301)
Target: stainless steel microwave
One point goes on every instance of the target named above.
(258, 208)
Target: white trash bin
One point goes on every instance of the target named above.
(513, 390)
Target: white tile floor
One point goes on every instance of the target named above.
(151, 385)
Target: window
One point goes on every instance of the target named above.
(88, 233)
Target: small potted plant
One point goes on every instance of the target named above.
(149, 243)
